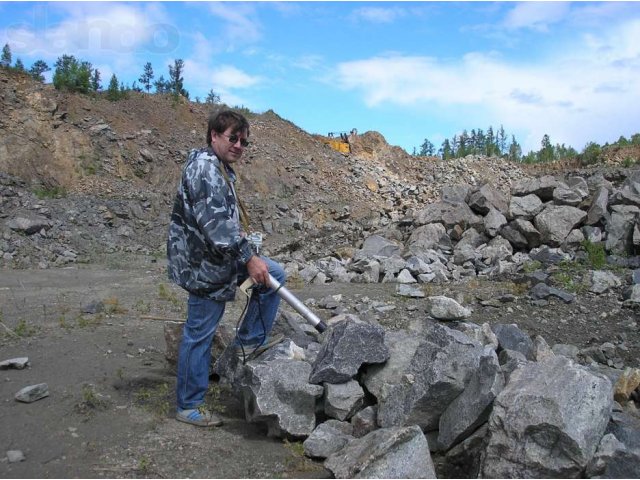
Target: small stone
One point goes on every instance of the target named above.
(15, 456)
(32, 393)
(18, 363)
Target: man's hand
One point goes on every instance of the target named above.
(258, 270)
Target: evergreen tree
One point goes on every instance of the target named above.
(515, 151)
(446, 152)
(489, 143)
(72, 75)
(501, 141)
(212, 98)
(5, 60)
(162, 86)
(427, 149)
(113, 91)
(19, 66)
(95, 81)
(176, 81)
(147, 76)
(37, 69)
(546, 153)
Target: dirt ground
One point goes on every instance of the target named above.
(109, 413)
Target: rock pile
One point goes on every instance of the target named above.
(464, 400)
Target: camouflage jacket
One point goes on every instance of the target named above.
(204, 244)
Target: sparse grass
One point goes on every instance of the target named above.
(298, 462)
(596, 254)
(165, 293)
(144, 465)
(89, 320)
(213, 397)
(531, 266)
(112, 306)
(51, 192)
(142, 307)
(23, 329)
(91, 400)
(155, 399)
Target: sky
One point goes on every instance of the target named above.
(408, 70)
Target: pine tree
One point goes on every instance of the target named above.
(427, 149)
(176, 81)
(95, 81)
(212, 98)
(37, 69)
(515, 151)
(113, 91)
(161, 85)
(72, 75)
(147, 76)
(546, 153)
(446, 152)
(19, 66)
(5, 60)
(502, 141)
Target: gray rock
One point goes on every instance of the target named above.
(348, 346)
(405, 277)
(541, 349)
(603, 280)
(511, 360)
(278, 393)
(599, 204)
(463, 460)
(405, 290)
(510, 337)
(376, 245)
(620, 227)
(569, 351)
(548, 421)
(365, 421)
(563, 195)
(542, 291)
(445, 308)
(592, 234)
(33, 393)
(556, 221)
(342, 400)
(29, 225)
(614, 460)
(327, 438)
(425, 372)
(448, 214)
(15, 456)
(487, 198)
(17, 363)
(472, 407)
(543, 187)
(526, 207)
(493, 222)
(384, 453)
(425, 237)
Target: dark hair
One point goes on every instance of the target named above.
(219, 122)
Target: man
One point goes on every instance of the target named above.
(209, 255)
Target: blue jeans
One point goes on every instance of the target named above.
(203, 316)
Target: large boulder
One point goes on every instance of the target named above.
(548, 421)
(348, 346)
(384, 453)
(278, 393)
(555, 222)
(426, 371)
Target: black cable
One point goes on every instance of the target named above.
(242, 317)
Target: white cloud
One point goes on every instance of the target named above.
(239, 24)
(379, 14)
(535, 15)
(97, 29)
(590, 92)
(225, 80)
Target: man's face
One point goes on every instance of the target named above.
(224, 146)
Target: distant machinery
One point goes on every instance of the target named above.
(340, 141)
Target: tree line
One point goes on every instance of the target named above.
(77, 75)
(488, 143)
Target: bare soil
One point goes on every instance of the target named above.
(111, 403)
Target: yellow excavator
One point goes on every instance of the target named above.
(339, 141)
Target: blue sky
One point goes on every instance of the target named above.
(409, 70)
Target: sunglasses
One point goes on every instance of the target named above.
(233, 139)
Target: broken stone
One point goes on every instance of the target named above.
(17, 363)
(32, 393)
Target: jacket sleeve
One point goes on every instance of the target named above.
(214, 215)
